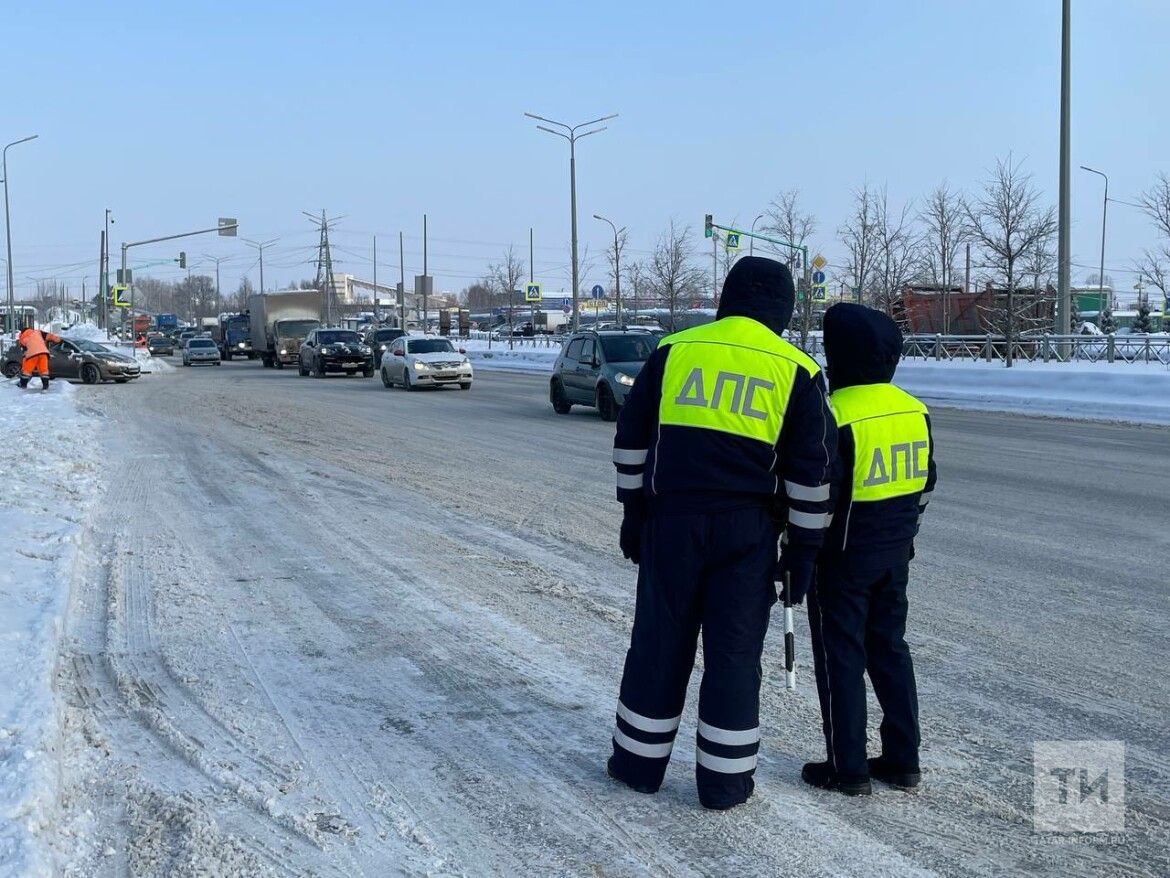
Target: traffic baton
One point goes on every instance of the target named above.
(789, 636)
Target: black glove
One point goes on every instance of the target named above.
(800, 566)
(631, 534)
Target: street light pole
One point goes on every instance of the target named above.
(617, 267)
(217, 260)
(260, 246)
(1063, 246)
(570, 134)
(752, 240)
(1104, 214)
(8, 233)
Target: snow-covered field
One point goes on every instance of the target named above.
(48, 458)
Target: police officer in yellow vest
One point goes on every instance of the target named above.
(857, 609)
(724, 443)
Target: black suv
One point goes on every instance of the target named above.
(379, 338)
(598, 368)
(335, 350)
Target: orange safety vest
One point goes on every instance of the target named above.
(33, 341)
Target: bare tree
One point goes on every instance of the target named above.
(942, 215)
(1154, 265)
(1155, 201)
(859, 235)
(897, 251)
(504, 277)
(787, 220)
(480, 296)
(614, 256)
(636, 284)
(672, 274)
(1008, 222)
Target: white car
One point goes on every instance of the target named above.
(425, 361)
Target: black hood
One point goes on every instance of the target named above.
(862, 346)
(761, 289)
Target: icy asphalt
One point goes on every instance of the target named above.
(318, 627)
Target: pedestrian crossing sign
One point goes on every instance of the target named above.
(119, 300)
(732, 241)
(532, 292)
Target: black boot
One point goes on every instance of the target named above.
(638, 788)
(821, 774)
(895, 776)
(23, 382)
(44, 383)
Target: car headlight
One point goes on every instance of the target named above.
(382, 347)
(364, 349)
(283, 352)
(420, 366)
(240, 345)
(623, 378)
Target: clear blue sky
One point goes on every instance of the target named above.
(380, 111)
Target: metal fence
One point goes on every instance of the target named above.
(1135, 348)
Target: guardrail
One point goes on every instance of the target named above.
(1047, 348)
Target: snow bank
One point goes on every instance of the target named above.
(1133, 392)
(48, 482)
(522, 358)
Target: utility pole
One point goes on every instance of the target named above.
(1104, 215)
(532, 276)
(570, 134)
(218, 299)
(714, 269)
(260, 247)
(1063, 257)
(426, 276)
(617, 266)
(8, 233)
(101, 283)
(324, 280)
(377, 320)
(402, 283)
(966, 286)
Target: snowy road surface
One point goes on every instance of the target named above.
(323, 628)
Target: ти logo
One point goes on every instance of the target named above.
(1078, 786)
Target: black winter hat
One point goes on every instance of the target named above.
(862, 346)
(761, 289)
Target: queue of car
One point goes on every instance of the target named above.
(595, 368)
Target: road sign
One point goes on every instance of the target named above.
(126, 277)
(532, 292)
(818, 277)
(598, 291)
(732, 241)
(820, 291)
(119, 302)
(228, 226)
(566, 309)
(819, 262)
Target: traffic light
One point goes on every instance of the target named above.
(708, 231)
(182, 259)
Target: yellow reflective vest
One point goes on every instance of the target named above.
(891, 440)
(733, 376)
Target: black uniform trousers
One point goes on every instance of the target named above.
(710, 571)
(857, 619)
